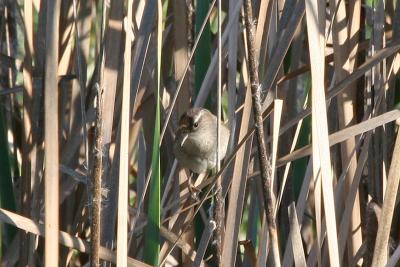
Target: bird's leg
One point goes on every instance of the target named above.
(215, 190)
(192, 188)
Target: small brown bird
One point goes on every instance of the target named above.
(196, 140)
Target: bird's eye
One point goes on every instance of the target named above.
(195, 125)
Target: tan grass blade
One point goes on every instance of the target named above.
(385, 222)
(339, 87)
(351, 198)
(181, 55)
(211, 72)
(278, 105)
(321, 155)
(295, 236)
(65, 239)
(300, 208)
(237, 190)
(186, 248)
(344, 134)
(263, 24)
(263, 246)
(288, 165)
(232, 72)
(280, 50)
(345, 105)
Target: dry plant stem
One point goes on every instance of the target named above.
(205, 238)
(334, 91)
(295, 236)
(109, 72)
(322, 172)
(185, 71)
(187, 249)
(262, 153)
(220, 203)
(96, 186)
(219, 217)
(79, 68)
(385, 220)
(122, 236)
(65, 239)
(27, 144)
(345, 103)
(29, 147)
(236, 198)
(51, 183)
(335, 138)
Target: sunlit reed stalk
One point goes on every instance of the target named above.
(51, 178)
(42, 114)
(122, 226)
(265, 166)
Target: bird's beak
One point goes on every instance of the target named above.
(184, 139)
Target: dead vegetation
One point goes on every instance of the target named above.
(90, 96)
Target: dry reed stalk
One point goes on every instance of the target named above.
(187, 249)
(96, 184)
(344, 134)
(181, 82)
(205, 238)
(346, 102)
(262, 152)
(385, 221)
(339, 87)
(122, 226)
(65, 239)
(51, 178)
(295, 236)
(28, 146)
(29, 142)
(219, 213)
(366, 33)
(237, 190)
(109, 73)
(322, 173)
(181, 54)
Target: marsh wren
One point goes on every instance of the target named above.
(196, 140)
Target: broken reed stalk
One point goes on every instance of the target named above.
(265, 166)
(96, 184)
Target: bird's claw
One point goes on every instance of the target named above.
(194, 191)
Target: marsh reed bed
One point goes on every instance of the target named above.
(91, 93)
